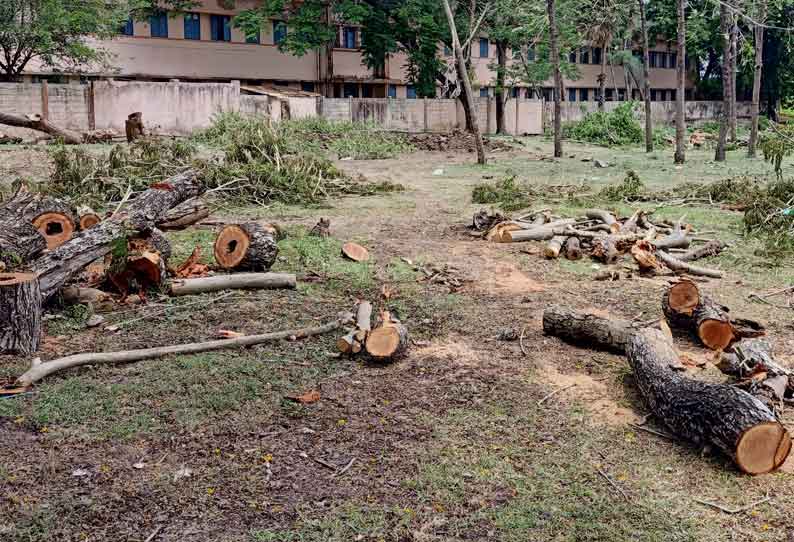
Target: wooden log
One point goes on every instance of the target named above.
(679, 302)
(144, 265)
(643, 253)
(76, 294)
(573, 249)
(554, 246)
(353, 341)
(632, 223)
(585, 329)
(246, 247)
(53, 218)
(19, 242)
(185, 214)
(711, 248)
(40, 370)
(750, 354)
(56, 267)
(20, 313)
(87, 217)
(604, 216)
(683, 267)
(537, 233)
(200, 285)
(713, 325)
(133, 126)
(677, 239)
(389, 340)
(355, 252)
(323, 226)
(36, 122)
(706, 414)
(604, 249)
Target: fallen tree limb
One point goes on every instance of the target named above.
(185, 214)
(40, 370)
(534, 233)
(683, 267)
(36, 122)
(711, 248)
(237, 281)
(584, 329)
(604, 216)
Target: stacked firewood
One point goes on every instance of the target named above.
(387, 341)
(653, 245)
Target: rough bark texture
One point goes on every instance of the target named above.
(553, 248)
(573, 250)
(605, 250)
(36, 122)
(732, 420)
(725, 30)
(20, 313)
(87, 217)
(604, 216)
(585, 329)
(56, 267)
(554, 57)
(732, 80)
(646, 94)
(501, 59)
(53, 218)
(19, 242)
(534, 233)
(249, 281)
(712, 248)
(680, 95)
(185, 214)
(133, 126)
(246, 247)
(683, 267)
(758, 32)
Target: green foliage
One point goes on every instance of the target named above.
(508, 194)
(616, 127)
(777, 145)
(629, 189)
(771, 216)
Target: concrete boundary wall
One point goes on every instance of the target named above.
(180, 108)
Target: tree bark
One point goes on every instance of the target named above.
(57, 266)
(683, 267)
(133, 126)
(536, 233)
(36, 122)
(389, 339)
(464, 101)
(19, 242)
(237, 281)
(20, 313)
(87, 217)
(680, 98)
(647, 78)
(602, 75)
(717, 414)
(585, 329)
(501, 96)
(54, 219)
(757, 71)
(712, 248)
(185, 214)
(573, 249)
(734, 58)
(246, 247)
(466, 83)
(554, 53)
(554, 247)
(725, 29)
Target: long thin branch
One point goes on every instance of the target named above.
(39, 370)
(476, 28)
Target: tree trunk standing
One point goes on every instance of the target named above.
(464, 101)
(734, 57)
(680, 95)
(725, 29)
(757, 69)
(554, 52)
(501, 58)
(602, 75)
(475, 129)
(647, 82)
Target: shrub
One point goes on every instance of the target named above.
(616, 127)
(507, 193)
(629, 189)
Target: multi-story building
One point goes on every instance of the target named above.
(203, 45)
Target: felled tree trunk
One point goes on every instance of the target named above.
(712, 248)
(144, 265)
(389, 340)
(185, 214)
(717, 414)
(237, 281)
(57, 266)
(246, 247)
(20, 313)
(585, 329)
(36, 122)
(573, 250)
(53, 218)
(604, 249)
(19, 242)
(133, 126)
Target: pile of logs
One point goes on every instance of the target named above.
(653, 245)
(739, 417)
(387, 341)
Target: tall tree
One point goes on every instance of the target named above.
(458, 52)
(554, 53)
(758, 32)
(646, 91)
(680, 95)
(725, 27)
(733, 73)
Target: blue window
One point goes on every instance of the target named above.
(349, 38)
(673, 58)
(307, 86)
(485, 47)
(192, 26)
(410, 91)
(597, 51)
(516, 92)
(584, 56)
(351, 90)
(572, 57)
(484, 92)
(158, 24)
(253, 39)
(127, 27)
(571, 94)
(584, 95)
(392, 91)
(220, 28)
(530, 54)
(279, 32)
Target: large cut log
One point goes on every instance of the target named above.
(711, 248)
(573, 249)
(53, 218)
(19, 242)
(185, 214)
(586, 329)
(57, 266)
(144, 265)
(706, 414)
(251, 281)
(246, 247)
(604, 249)
(389, 340)
(36, 122)
(40, 370)
(535, 233)
(20, 313)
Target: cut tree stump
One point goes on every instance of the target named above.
(87, 217)
(703, 413)
(389, 340)
(554, 246)
(252, 281)
(586, 329)
(145, 264)
(604, 250)
(246, 247)
(355, 252)
(185, 214)
(52, 217)
(20, 313)
(57, 266)
(133, 126)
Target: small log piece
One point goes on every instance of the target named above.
(573, 249)
(20, 313)
(353, 342)
(87, 217)
(389, 340)
(604, 249)
(133, 126)
(246, 247)
(185, 214)
(554, 246)
(355, 252)
(702, 413)
(323, 227)
(237, 281)
(711, 248)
